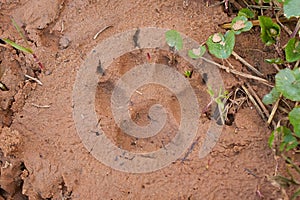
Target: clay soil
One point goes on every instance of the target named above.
(41, 154)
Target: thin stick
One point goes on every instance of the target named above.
(4, 45)
(258, 73)
(274, 110)
(276, 67)
(292, 163)
(296, 29)
(227, 69)
(260, 112)
(258, 100)
(283, 109)
(34, 79)
(256, 22)
(283, 26)
(261, 104)
(39, 106)
(99, 32)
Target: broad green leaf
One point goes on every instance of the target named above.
(221, 46)
(174, 39)
(290, 141)
(269, 30)
(294, 117)
(292, 50)
(240, 24)
(197, 53)
(288, 83)
(291, 8)
(278, 61)
(271, 97)
(246, 12)
(296, 72)
(19, 47)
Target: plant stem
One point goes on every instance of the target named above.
(291, 162)
(274, 110)
(258, 73)
(296, 29)
(233, 71)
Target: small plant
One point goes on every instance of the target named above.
(197, 53)
(21, 48)
(220, 45)
(188, 73)
(220, 99)
(174, 40)
(270, 31)
(285, 138)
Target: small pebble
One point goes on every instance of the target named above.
(48, 72)
(64, 42)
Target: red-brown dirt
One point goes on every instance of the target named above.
(41, 154)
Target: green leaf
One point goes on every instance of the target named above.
(240, 24)
(246, 12)
(291, 8)
(294, 117)
(210, 92)
(269, 30)
(271, 97)
(19, 47)
(174, 39)
(277, 61)
(271, 139)
(188, 74)
(197, 53)
(288, 83)
(221, 46)
(292, 50)
(288, 140)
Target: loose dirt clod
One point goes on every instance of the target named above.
(9, 141)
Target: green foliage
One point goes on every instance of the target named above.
(17, 46)
(219, 99)
(240, 24)
(288, 83)
(188, 73)
(272, 97)
(277, 61)
(287, 140)
(292, 50)
(174, 39)
(220, 45)
(294, 117)
(291, 8)
(197, 53)
(246, 12)
(270, 31)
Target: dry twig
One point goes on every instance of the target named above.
(40, 106)
(233, 71)
(274, 110)
(34, 79)
(258, 73)
(99, 32)
(259, 110)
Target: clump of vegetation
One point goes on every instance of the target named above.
(285, 136)
(27, 50)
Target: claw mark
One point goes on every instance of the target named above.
(100, 70)
(135, 38)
